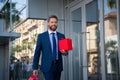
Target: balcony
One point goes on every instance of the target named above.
(25, 31)
(25, 37)
(32, 27)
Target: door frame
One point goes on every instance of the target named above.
(82, 61)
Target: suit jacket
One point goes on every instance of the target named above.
(44, 46)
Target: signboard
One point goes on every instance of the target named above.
(2, 3)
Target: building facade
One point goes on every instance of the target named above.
(29, 30)
(6, 36)
(94, 29)
(93, 26)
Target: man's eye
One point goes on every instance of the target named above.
(54, 22)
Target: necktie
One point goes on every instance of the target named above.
(54, 46)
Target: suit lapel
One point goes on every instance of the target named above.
(48, 40)
(58, 36)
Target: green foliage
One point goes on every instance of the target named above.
(17, 48)
(25, 44)
(5, 13)
(111, 3)
(111, 47)
(112, 50)
(34, 38)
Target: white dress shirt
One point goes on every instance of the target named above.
(51, 41)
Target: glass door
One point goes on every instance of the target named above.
(76, 28)
(92, 40)
(111, 39)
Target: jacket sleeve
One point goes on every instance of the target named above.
(67, 52)
(37, 53)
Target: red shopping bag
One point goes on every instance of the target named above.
(33, 77)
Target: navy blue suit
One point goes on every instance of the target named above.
(44, 46)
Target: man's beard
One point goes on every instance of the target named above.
(53, 28)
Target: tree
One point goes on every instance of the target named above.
(24, 44)
(17, 48)
(30, 45)
(112, 52)
(5, 14)
(111, 47)
(34, 38)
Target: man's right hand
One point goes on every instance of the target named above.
(35, 72)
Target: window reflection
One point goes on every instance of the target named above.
(111, 43)
(92, 40)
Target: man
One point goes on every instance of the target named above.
(47, 43)
(18, 70)
(11, 70)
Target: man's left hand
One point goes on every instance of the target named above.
(64, 52)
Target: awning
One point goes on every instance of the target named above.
(5, 36)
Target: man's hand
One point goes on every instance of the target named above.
(35, 72)
(64, 52)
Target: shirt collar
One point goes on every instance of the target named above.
(51, 32)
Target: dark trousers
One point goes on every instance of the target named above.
(53, 74)
(11, 75)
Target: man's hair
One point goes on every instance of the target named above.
(52, 16)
